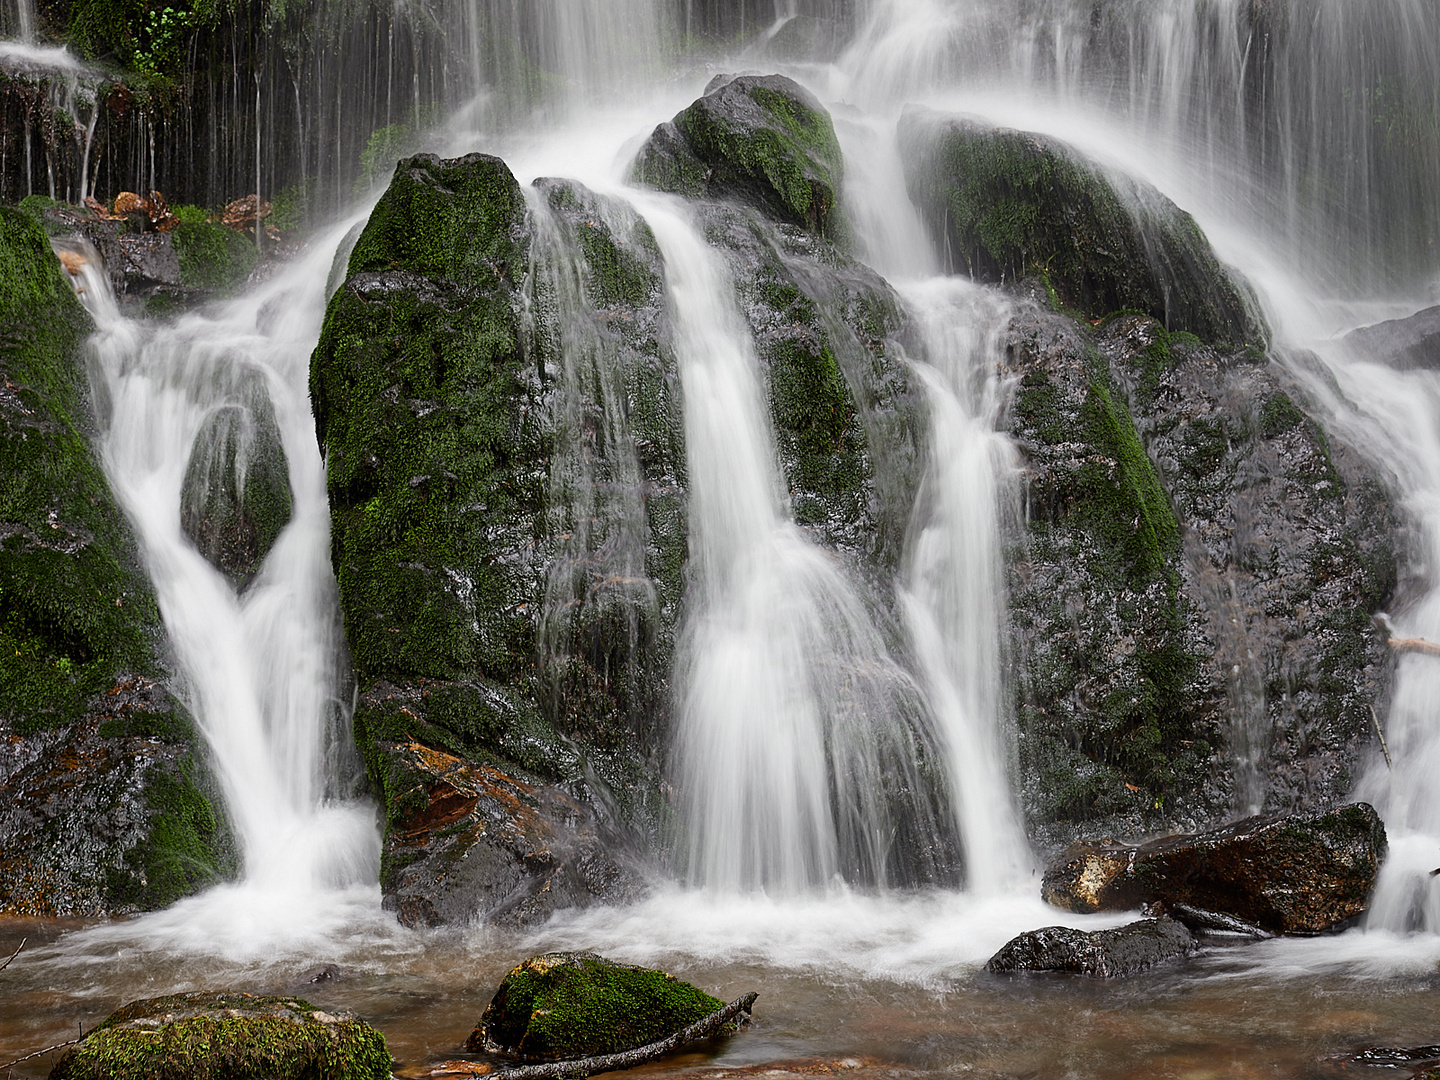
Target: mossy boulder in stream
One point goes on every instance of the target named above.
(760, 139)
(105, 801)
(574, 1005)
(212, 1036)
(1006, 204)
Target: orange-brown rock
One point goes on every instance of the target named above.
(1300, 874)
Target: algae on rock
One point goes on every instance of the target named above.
(209, 1036)
(574, 1005)
(133, 820)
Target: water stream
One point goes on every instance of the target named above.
(793, 709)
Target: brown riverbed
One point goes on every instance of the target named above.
(854, 986)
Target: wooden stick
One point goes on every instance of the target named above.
(14, 954)
(1384, 749)
(39, 1053)
(628, 1059)
(1415, 644)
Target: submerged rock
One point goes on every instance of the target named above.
(760, 139)
(1101, 954)
(1302, 874)
(574, 1005)
(105, 802)
(227, 1037)
(1412, 342)
(235, 497)
(1005, 204)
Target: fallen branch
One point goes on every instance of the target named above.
(1200, 919)
(41, 1053)
(1384, 749)
(628, 1059)
(14, 954)
(1415, 644)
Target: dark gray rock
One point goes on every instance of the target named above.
(1191, 591)
(235, 498)
(1302, 874)
(1005, 204)
(1412, 342)
(1100, 954)
(148, 259)
(763, 140)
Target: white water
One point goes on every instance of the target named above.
(261, 670)
(777, 618)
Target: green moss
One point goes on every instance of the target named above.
(226, 1037)
(212, 256)
(571, 1005)
(74, 608)
(187, 849)
(791, 163)
(1279, 415)
(1010, 204)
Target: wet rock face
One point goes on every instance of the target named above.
(107, 805)
(231, 1036)
(235, 497)
(1191, 591)
(466, 836)
(1412, 342)
(572, 1005)
(508, 549)
(1303, 874)
(760, 139)
(1100, 954)
(1004, 204)
(109, 814)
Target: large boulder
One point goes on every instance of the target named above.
(105, 801)
(212, 1036)
(1005, 204)
(1411, 342)
(573, 1005)
(235, 497)
(1192, 584)
(760, 139)
(508, 549)
(1101, 954)
(1302, 874)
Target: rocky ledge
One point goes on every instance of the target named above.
(1302, 874)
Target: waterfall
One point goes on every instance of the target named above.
(795, 724)
(262, 669)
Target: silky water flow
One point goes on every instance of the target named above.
(785, 880)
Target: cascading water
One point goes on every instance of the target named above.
(795, 724)
(262, 670)
(1297, 136)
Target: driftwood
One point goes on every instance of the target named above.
(14, 954)
(626, 1059)
(1200, 919)
(1415, 644)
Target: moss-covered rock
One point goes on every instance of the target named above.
(107, 804)
(1005, 204)
(235, 497)
(231, 1036)
(1190, 596)
(573, 1005)
(212, 257)
(507, 536)
(761, 139)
